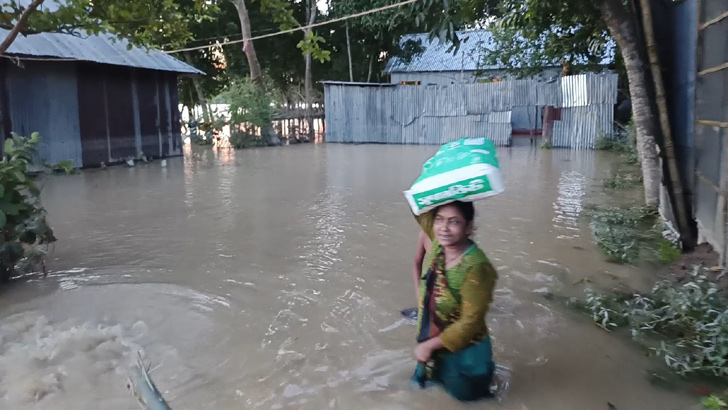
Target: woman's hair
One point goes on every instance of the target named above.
(465, 208)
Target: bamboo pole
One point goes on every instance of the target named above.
(678, 193)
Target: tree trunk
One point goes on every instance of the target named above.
(677, 195)
(311, 14)
(348, 51)
(200, 94)
(624, 31)
(19, 26)
(371, 62)
(256, 73)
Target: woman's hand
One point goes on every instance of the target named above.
(423, 352)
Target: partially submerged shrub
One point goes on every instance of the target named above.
(623, 233)
(622, 180)
(242, 139)
(691, 320)
(624, 142)
(715, 402)
(23, 225)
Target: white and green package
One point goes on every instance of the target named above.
(462, 170)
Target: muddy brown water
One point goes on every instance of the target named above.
(273, 278)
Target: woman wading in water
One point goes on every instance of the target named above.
(455, 291)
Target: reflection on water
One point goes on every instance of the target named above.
(273, 278)
(571, 188)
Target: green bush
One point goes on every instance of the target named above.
(623, 142)
(715, 402)
(621, 233)
(622, 180)
(23, 226)
(241, 139)
(249, 105)
(690, 320)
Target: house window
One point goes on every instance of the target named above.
(409, 83)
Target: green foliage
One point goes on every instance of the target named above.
(375, 37)
(142, 22)
(622, 180)
(63, 167)
(629, 235)
(23, 226)
(690, 320)
(443, 18)
(667, 252)
(546, 145)
(242, 139)
(528, 33)
(249, 105)
(715, 402)
(524, 49)
(606, 144)
(624, 142)
(311, 44)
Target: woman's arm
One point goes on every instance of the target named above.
(422, 248)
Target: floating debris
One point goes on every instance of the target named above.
(142, 387)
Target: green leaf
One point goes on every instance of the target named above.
(20, 177)
(9, 144)
(33, 188)
(3, 219)
(11, 209)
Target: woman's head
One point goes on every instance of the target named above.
(454, 223)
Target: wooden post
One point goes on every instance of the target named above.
(548, 123)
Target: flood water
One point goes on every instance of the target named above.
(274, 278)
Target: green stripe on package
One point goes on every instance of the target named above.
(462, 170)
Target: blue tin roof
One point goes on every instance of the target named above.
(95, 48)
(436, 57)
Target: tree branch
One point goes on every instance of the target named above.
(22, 21)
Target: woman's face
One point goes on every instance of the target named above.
(450, 226)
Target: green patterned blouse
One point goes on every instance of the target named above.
(463, 299)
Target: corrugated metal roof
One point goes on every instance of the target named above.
(99, 49)
(474, 44)
(435, 55)
(357, 84)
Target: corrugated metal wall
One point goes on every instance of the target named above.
(38, 101)
(397, 114)
(91, 113)
(711, 127)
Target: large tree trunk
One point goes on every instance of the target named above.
(19, 26)
(680, 208)
(256, 73)
(624, 31)
(200, 94)
(311, 14)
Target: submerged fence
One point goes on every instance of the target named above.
(436, 114)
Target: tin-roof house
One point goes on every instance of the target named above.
(437, 64)
(93, 100)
